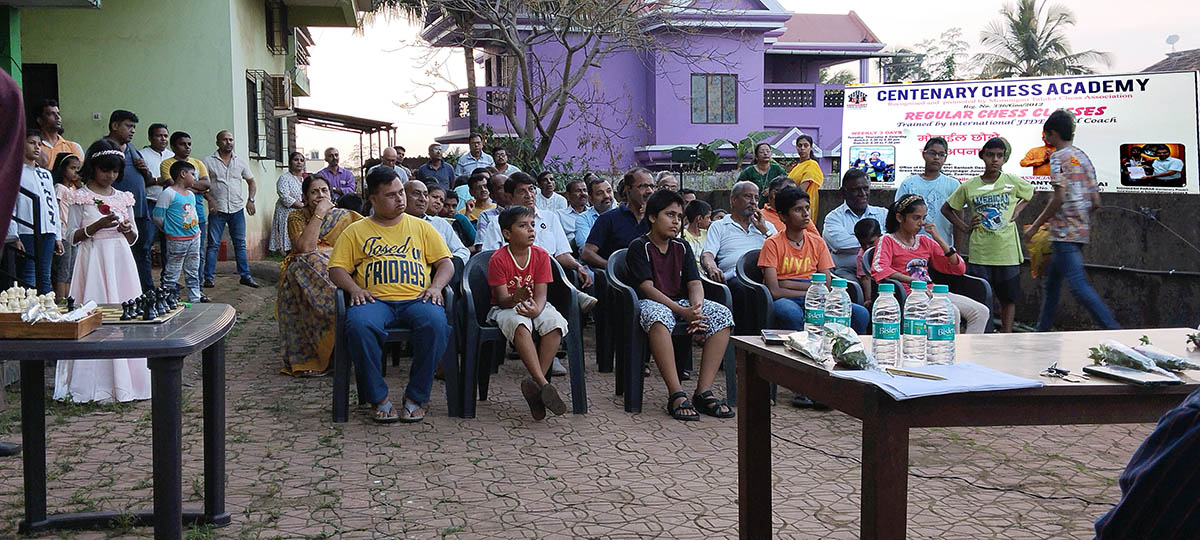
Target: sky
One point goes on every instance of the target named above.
(386, 72)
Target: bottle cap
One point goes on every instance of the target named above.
(818, 278)
(941, 288)
(839, 282)
(887, 288)
(918, 285)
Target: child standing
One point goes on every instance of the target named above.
(993, 201)
(102, 230)
(35, 264)
(66, 179)
(663, 269)
(175, 214)
(518, 273)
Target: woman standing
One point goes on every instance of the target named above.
(306, 304)
(764, 168)
(290, 197)
(807, 173)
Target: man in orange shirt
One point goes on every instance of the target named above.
(1039, 158)
(53, 143)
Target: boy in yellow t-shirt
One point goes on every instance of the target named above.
(394, 267)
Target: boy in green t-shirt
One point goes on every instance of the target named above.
(993, 201)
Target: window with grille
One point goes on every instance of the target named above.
(263, 132)
(277, 27)
(788, 97)
(714, 98)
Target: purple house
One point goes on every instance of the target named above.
(758, 71)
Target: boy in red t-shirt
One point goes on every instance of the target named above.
(518, 273)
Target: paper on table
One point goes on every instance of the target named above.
(965, 377)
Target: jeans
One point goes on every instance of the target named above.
(1066, 263)
(237, 233)
(203, 244)
(789, 315)
(37, 271)
(141, 251)
(366, 328)
(183, 255)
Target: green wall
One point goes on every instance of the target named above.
(10, 42)
(182, 63)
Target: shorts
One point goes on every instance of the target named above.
(1005, 280)
(719, 317)
(64, 265)
(509, 320)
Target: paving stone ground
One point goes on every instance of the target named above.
(292, 473)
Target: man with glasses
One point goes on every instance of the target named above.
(933, 186)
(839, 223)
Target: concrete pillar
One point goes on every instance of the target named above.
(864, 70)
(10, 42)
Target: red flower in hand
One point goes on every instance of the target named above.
(104, 208)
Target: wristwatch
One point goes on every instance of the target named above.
(952, 251)
(250, 199)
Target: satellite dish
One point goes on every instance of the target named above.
(1172, 40)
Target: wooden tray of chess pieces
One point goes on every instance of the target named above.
(15, 300)
(154, 307)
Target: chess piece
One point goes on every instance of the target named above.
(126, 308)
(148, 313)
(71, 303)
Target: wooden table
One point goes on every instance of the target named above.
(200, 327)
(886, 422)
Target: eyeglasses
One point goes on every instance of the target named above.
(931, 153)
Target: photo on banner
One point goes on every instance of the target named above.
(879, 162)
(1137, 128)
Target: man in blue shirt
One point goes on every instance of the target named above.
(839, 223)
(435, 170)
(600, 194)
(476, 158)
(134, 178)
(933, 186)
(616, 228)
(1166, 167)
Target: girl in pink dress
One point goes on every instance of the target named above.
(102, 230)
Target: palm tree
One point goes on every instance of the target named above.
(1029, 40)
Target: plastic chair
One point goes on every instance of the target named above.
(342, 361)
(975, 288)
(635, 348)
(483, 335)
(455, 323)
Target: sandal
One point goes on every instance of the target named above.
(710, 405)
(411, 415)
(677, 411)
(533, 396)
(385, 413)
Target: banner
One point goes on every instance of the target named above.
(1140, 130)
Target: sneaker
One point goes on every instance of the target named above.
(204, 299)
(586, 302)
(208, 284)
(249, 282)
(557, 369)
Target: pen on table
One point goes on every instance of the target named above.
(917, 374)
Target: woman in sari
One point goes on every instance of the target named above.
(306, 303)
(807, 173)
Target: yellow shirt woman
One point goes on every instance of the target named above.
(809, 171)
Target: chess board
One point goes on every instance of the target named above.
(112, 315)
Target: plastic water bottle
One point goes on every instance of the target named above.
(940, 317)
(837, 304)
(913, 333)
(885, 320)
(814, 306)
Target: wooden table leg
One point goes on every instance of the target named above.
(165, 419)
(754, 450)
(214, 434)
(884, 470)
(33, 437)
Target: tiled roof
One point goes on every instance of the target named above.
(1178, 61)
(826, 28)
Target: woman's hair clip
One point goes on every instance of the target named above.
(909, 200)
(109, 153)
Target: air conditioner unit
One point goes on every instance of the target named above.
(281, 92)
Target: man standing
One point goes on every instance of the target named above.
(341, 181)
(1069, 214)
(933, 186)
(436, 170)
(400, 160)
(416, 195)
(154, 154)
(839, 223)
(577, 199)
(666, 180)
(502, 164)
(135, 178)
(1038, 158)
(476, 158)
(600, 194)
(53, 143)
(230, 205)
(732, 236)
(616, 228)
(1166, 167)
(547, 199)
(384, 262)
(390, 158)
(181, 150)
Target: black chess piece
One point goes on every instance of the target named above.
(126, 309)
(148, 313)
(138, 305)
(70, 303)
(159, 301)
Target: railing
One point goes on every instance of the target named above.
(803, 95)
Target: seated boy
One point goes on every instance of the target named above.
(867, 232)
(175, 214)
(384, 263)
(663, 269)
(518, 273)
(481, 202)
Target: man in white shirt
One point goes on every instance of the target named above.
(546, 198)
(391, 158)
(729, 238)
(1166, 167)
(154, 154)
(226, 172)
(476, 158)
(417, 194)
(577, 204)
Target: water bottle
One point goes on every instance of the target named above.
(940, 317)
(814, 306)
(837, 304)
(913, 333)
(885, 319)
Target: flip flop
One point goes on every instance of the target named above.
(413, 415)
(533, 396)
(385, 413)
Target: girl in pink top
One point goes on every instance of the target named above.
(905, 255)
